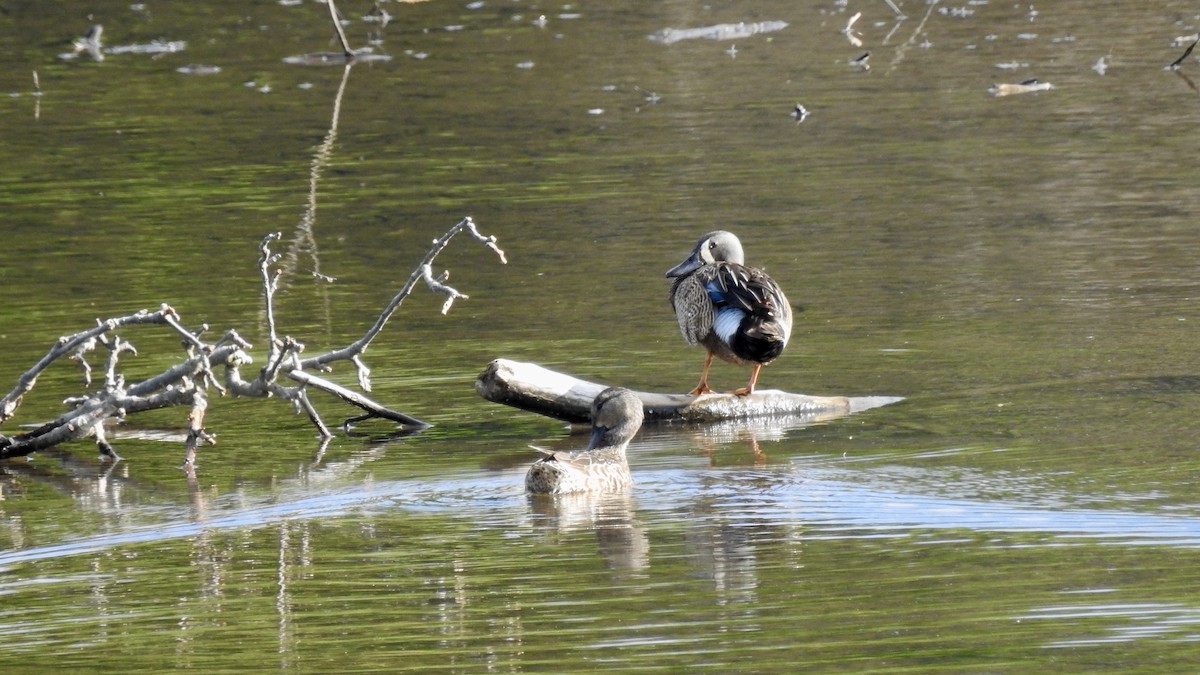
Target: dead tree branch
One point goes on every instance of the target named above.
(424, 271)
(189, 381)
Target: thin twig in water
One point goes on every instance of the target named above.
(1177, 63)
(337, 25)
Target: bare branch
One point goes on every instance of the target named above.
(106, 449)
(270, 283)
(68, 344)
(313, 415)
(359, 346)
(354, 398)
(188, 382)
(196, 432)
(437, 286)
(364, 373)
(337, 24)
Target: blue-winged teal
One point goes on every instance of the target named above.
(602, 467)
(738, 313)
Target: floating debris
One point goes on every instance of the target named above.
(1185, 40)
(541, 21)
(800, 113)
(1179, 61)
(1026, 87)
(335, 58)
(378, 15)
(851, 34)
(650, 97)
(958, 12)
(198, 69)
(723, 31)
(88, 44)
(1011, 65)
(596, 111)
(478, 4)
(861, 62)
(1027, 36)
(732, 51)
(154, 47)
(1101, 65)
(525, 65)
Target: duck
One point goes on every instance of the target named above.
(617, 416)
(737, 312)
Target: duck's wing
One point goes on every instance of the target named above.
(749, 290)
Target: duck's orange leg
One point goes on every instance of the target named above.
(749, 388)
(703, 387)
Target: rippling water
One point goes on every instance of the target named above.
(1018, 268)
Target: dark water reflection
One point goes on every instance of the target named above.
(1018, 268)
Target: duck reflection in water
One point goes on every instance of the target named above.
(601, 467)
(590, 489)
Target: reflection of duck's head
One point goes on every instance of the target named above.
(616, 417)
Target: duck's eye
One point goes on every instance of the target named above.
(712, 245)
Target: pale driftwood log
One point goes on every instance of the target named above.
(531, 387)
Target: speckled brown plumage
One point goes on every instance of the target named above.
(616, 417)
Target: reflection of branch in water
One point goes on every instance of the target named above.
(37, 98)
(895, 27)
(304, 241)
(902, 49)
(1187, 80)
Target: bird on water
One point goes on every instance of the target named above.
(602, 467)
(737, 312)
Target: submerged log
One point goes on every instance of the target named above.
(531, 387)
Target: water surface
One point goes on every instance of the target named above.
(1017, 268)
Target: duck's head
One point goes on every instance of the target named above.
(616, 417)
(719, 246)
